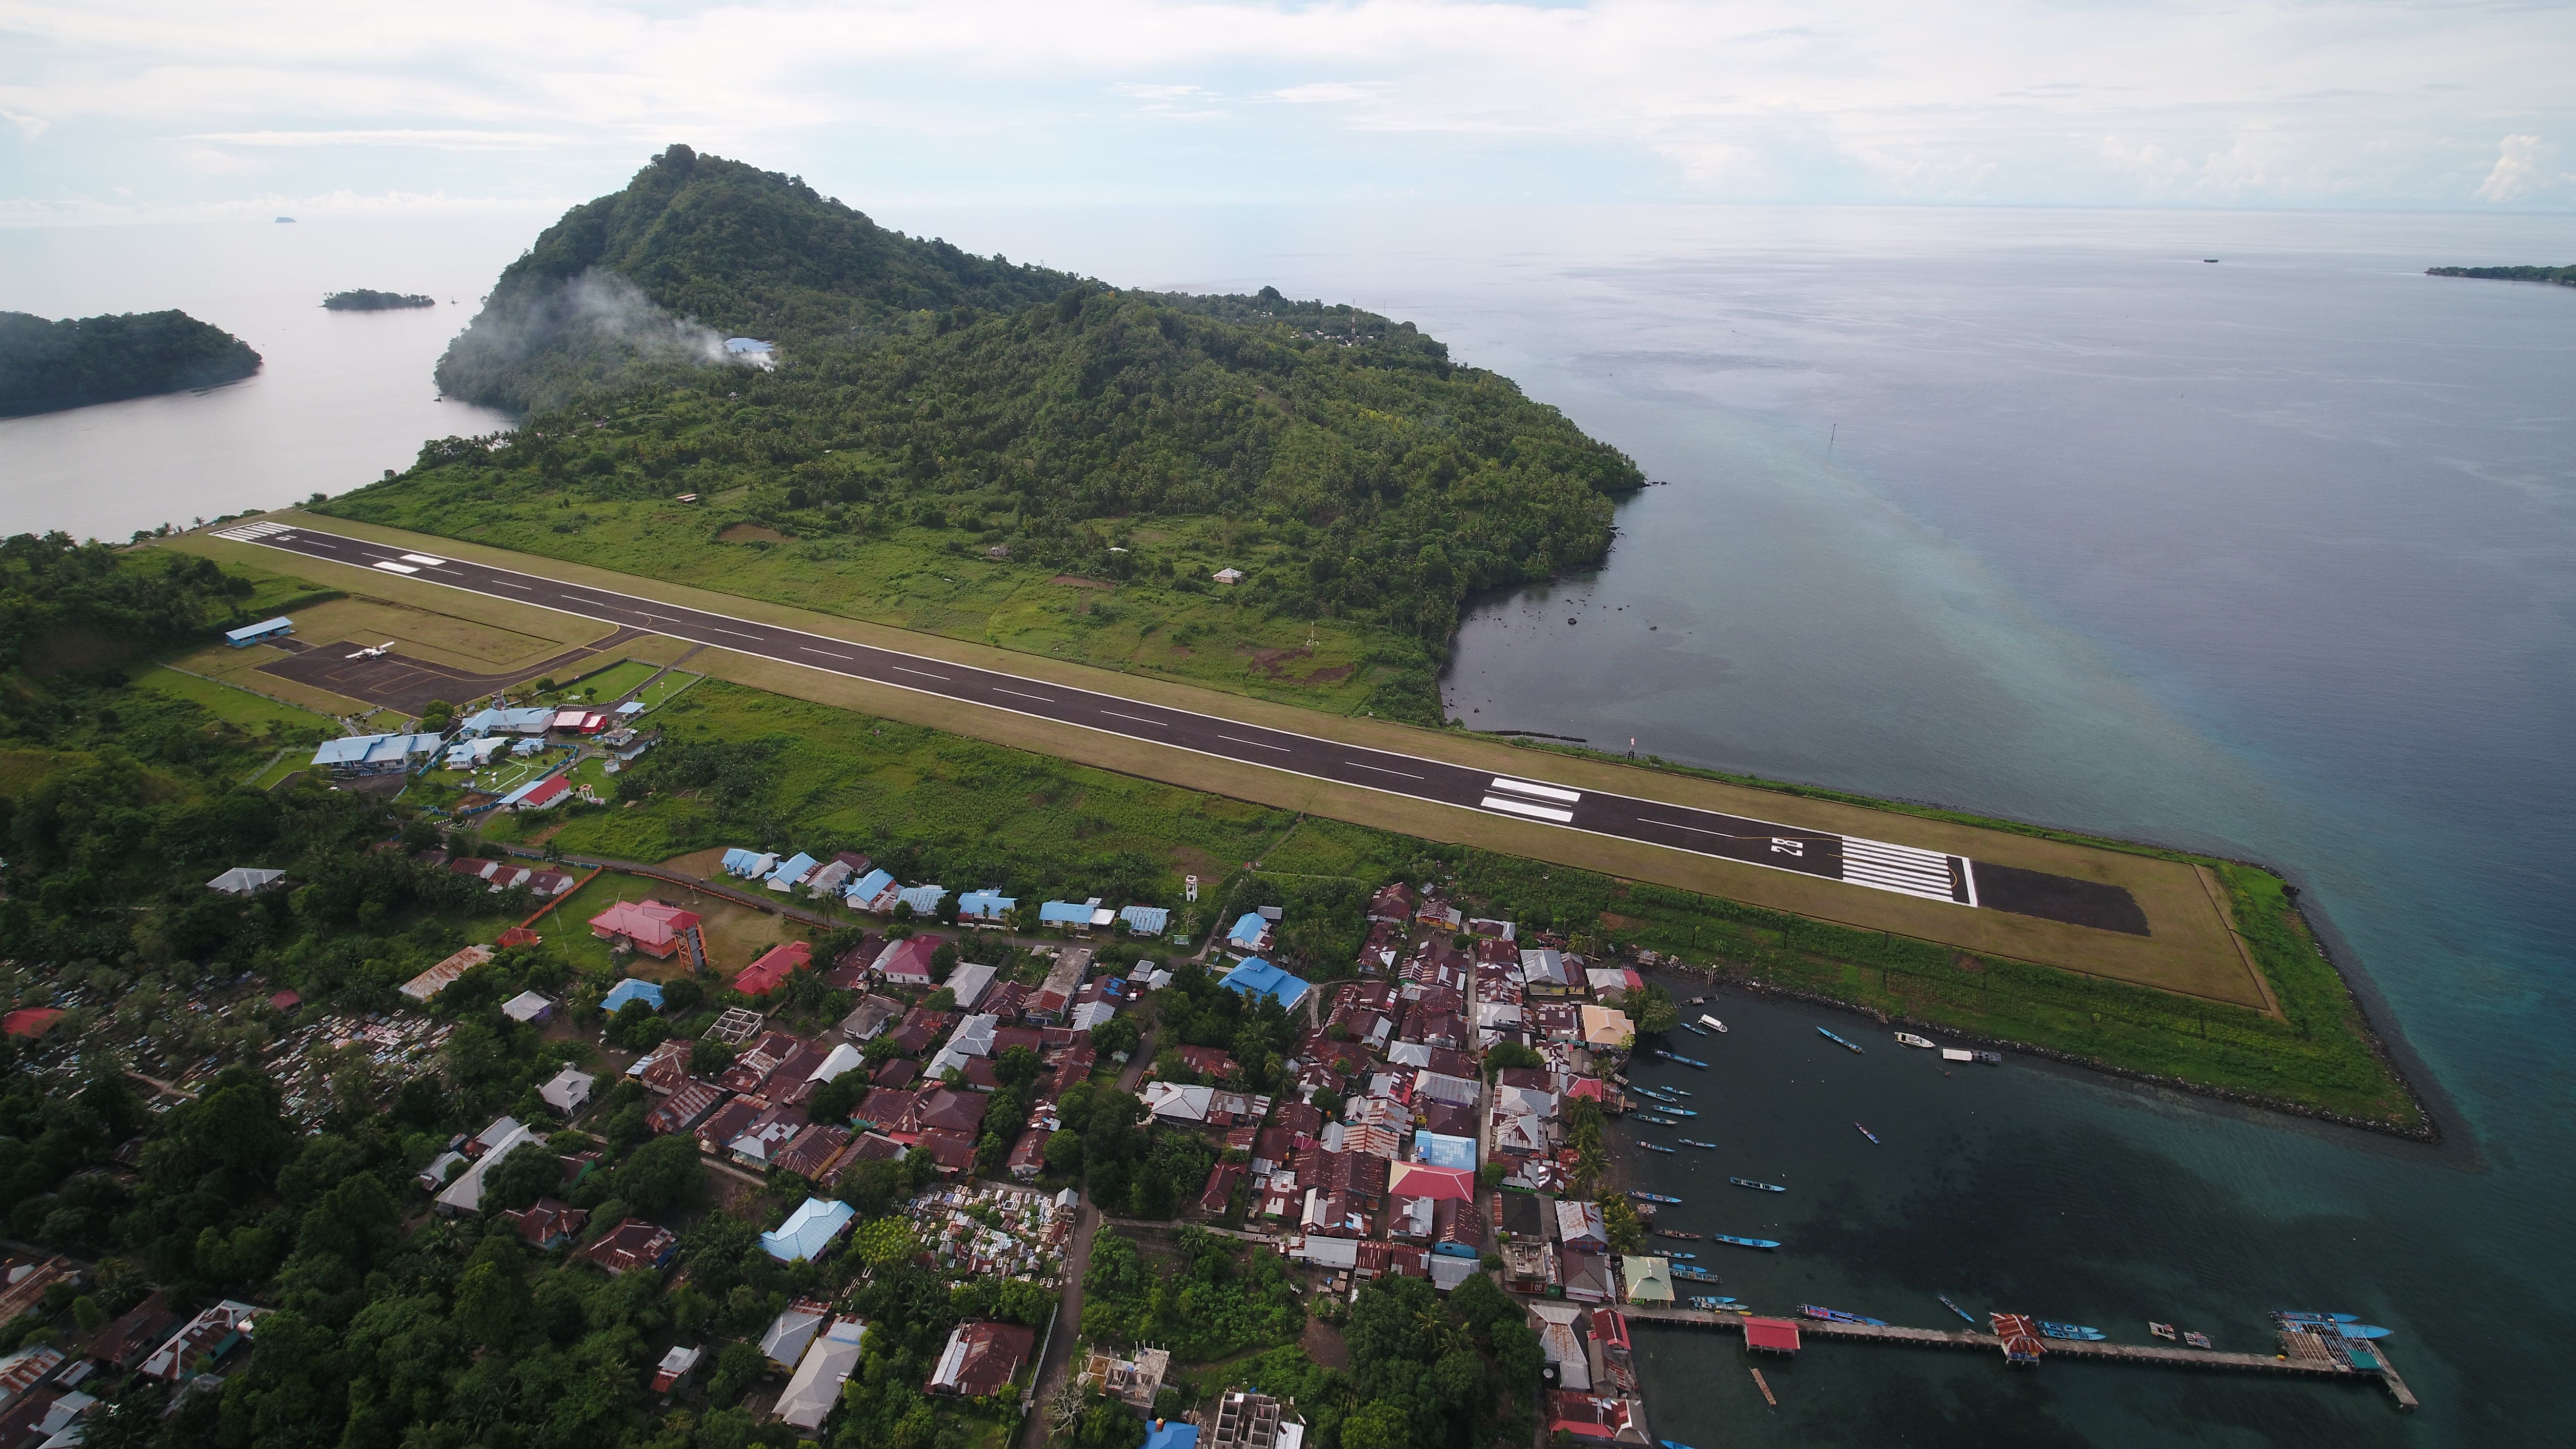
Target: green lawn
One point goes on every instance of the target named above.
(256, 713)
(613, 683)
(661, 690)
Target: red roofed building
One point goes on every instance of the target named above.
(953, 1151)
(649, 926)
(1771, 1335)
(907, 962)
(1206, 1061)
(981, 1358)
(1219, 1192)
(773, 968)
(31, 1021)
(633, 1243)
(516, 936)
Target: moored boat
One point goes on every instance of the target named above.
(1681, 1111)
(1695, 1142)
(1956, 1054)
(1907, 1038)
(1689, 1274)
(2071, 1331)
(1766, 1244)
(1694, 1028)
(1955, 1308)
(1992, 1059)
(1641, 1195)
(2363, 1330)
(2196, 1340)
(1712, 1023)
(2290, 1315)
(1838, 1041)
(1678, 1233)
(1672, 1257)
(2164, 1331)
(1656, 1121)
(1836, 1315)
(1678, 1057)
(1656, 1147)
(1865, 1132)
(1757, 1186)
(1713, 1305)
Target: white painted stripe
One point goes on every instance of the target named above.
(505, 583)
(1523, 807)
(389, 566)
(1138, 718)
(1968, 873)
(425, 560)
(1863, 866)
(826, 653)
(1884, 880)
(924, 673)
(737, 633)
(1381, 769)
(1024, 694)
(1526, 787)
(594, 603)
(1256, 744)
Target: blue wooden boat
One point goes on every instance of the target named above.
(1680, 1112)
(1865, 1132)
(1685, 1061)
(1672, 1444)
(1695, 1142)
(1757, 1186)
(1682, 1257)
(1836, 1315)
(1693, 1274)
(2072, 1331)
(1694, 1028)
(1838, 1041)
(2287, 1315)
(1955, 1308)
(1712, 1305)
(2363, 1330)
(1655, 1147)
(1641, 1195)
(1658, 1093)
(1766, 1244)
(1656, 1121)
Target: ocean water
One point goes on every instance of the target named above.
(339, 397)
(2034, 513)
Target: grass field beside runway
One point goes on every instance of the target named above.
(2191, 949)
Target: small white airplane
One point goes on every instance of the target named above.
(379, 652)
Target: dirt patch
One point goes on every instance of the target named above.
(1076, 581)
(1322, 1342)
(1611, 920)
(704, 864)
(1329, 674)
(752, 533)
(1274, 662)
(1966, 962)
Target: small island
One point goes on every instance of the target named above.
(2563, 276)
(46, 366)
(362, 299)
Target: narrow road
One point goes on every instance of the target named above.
(1869, 864)
(1077, 1263)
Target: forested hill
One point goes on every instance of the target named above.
(2563, 276)
(48, 365)
(940, 423)
(727, 246)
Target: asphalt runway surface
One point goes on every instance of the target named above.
(1853, 860)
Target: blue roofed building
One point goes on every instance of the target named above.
(1065, 915)
(628, 990)
(266, 629)
(1258, 977)
(1251, 934)
(376, 754)
(1146, 920)
(749, 864)
(808, 1230)
(871, 892)
(1442, 1150)
(984, 905)
(924, 899)
(792, 871)
(1171, 1434)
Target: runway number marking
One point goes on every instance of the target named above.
(1783, 845)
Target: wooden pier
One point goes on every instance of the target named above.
(2195, 1358)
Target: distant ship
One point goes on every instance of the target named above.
(1865, 1132)
(286, 221)
(1838, 1041)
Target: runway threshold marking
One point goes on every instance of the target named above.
(1532, 787)
(1523, 807)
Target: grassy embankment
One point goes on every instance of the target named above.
(910, 578)
(964, 812)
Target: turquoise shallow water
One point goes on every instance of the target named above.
(2028, 512)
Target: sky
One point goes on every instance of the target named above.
(115, 110)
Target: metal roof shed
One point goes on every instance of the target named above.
(249, 634)
(243, 880)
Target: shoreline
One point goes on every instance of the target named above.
(2429, 1134)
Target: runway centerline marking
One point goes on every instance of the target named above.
(1138, 718)
(1257, 744)
(826, 653)
(1381, 769)
(1024, 694)
(505, 583)
(737, 633)
(924, 673)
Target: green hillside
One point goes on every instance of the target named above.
(71, 363)
(942, 429)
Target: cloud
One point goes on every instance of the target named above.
(434, 140)
(2517, 170)
(28, 126)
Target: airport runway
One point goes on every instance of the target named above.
(1871, 864)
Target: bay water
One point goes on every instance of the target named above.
(2040, 514)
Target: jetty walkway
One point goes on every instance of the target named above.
(2090, 1352)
